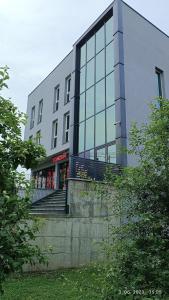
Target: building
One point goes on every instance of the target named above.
(85, 106)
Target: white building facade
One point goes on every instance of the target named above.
(85, 106)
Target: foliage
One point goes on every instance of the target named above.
(16, 227)
(139, 252)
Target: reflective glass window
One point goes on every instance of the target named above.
(81, 137)
(90, 133)
(82, 79)
(110, 124)
(112, 154)
(90, 73)
(82, 107)
(100, 154)
(83, 55)
(100, 65)
(89, 154)
(110, 58)
(100, 129)
(109, 30)
(100, 95)
(100, 42)
(110, 95)
(91, 48)
(90, 102)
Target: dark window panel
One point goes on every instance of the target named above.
(100, 95)
(90, 133)
(111, 124)
(109, 30)
(100, 65)
(100, 40)
(90, 102)
(110, 58)
(110, 93)
(100, 129)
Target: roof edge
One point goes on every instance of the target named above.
(145, 19)
(50, 73)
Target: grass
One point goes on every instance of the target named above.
(73, 284)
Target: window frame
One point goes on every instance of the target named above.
(40, 111)
(54, 134)
(56, 98)
(38, 137)
(32, 120)
(67, 89)
(159, 74)
(66, 130)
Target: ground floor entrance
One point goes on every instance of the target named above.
(53, 176)
(63, 170)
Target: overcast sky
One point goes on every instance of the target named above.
(37, 34)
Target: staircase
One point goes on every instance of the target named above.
(54, 204)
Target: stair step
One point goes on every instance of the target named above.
(50, 202)
(56, 197)
(49, 209)
(49, 205)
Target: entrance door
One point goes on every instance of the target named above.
(63, 174)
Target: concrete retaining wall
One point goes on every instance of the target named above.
(78, 238)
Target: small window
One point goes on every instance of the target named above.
(159, 75)
(56, 99)
(66, 127)
(31, 138)
(54, 133)
(38, 137)
(68, 83)
(32, 117)
(40, 109)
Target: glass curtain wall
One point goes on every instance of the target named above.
(97, 99)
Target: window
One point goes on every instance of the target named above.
(81, 137)
(31, 137)
(38, 137)
(110, 112)
(82, 107)
(109, 30)
(97, 94)
(32, 117)
(100, 95)
(56, 98)
(40, 111)
(90, 133)
(109, 58)
(159, 75)
(83, 55)
(100, 65)
(82, 79)
(66, 127)
(68, 82)
(112, 154)
(101, 154)
(110, 95)
(90, 48)
(100, 129)
(90, 102)
(54, 133)
(90, 73)
(100, 39)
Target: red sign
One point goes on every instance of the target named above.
(59, 157)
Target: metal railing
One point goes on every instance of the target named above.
(90, 169)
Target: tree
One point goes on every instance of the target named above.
(139, 253)
(17, 228)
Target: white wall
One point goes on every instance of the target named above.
(145, 47)
(45, 91)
